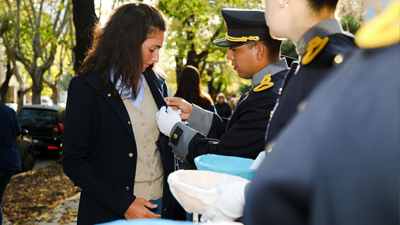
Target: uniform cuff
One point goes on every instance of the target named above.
(200, 119)
(180, 137)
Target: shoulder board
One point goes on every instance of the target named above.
(314, 48)
(265, 84)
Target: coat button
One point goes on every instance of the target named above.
(131, 154)
(271, 113)
(129, 122)
(127, 188)
(109, 95)
(302, 105)
(269, 146)
(338, 59)
(280, 91)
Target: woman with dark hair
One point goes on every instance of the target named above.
(189, 88)
(112, 147)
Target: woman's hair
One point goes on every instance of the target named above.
(118, 45)
(318, 5)
(189, 88)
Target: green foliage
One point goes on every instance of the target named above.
(350, 24)
(288, 49)
(35, 31)
(193, 26)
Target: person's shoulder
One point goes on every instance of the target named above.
(340, 43)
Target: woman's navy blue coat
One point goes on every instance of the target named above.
(99, 150)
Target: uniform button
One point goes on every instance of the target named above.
(109, 95)
(165, 209)
(280, 91)
(271, 113)
(338, 59)
(131, 154)
(302, 105)
(175, 136)
(269, 146)
(129, 122)
(127, 188)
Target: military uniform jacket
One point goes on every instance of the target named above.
(243, 135)
(99, 150)
(345, 168)
(297, 87)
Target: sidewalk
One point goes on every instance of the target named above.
(64, 213)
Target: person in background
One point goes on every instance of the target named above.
(224, 109)
(112, 147)
(320, 42)
(254, 55)
(344, 168)
(190, 89)
(10, 132)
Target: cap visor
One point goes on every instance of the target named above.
(222, 42)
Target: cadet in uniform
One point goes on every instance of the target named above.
(319, 39)
(254, 55)
(345, 168)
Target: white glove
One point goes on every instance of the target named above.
(257, 162)
(229, 204)
(166, 119)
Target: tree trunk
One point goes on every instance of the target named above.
(37, 87)
(4, 87)
(84, 20)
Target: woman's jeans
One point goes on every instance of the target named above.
(157, 210)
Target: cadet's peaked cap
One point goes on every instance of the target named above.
(243, 26)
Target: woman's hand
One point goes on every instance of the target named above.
(179, 103)
(138, 210)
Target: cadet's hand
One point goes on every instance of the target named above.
(166, 119)
(260, 158)
(138, 210)
(180, 103)
(229, 204)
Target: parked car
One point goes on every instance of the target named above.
(45, 125)
(26, 151)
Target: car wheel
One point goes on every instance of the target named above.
(29, 160)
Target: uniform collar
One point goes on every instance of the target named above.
(321, 29)
(272, 69)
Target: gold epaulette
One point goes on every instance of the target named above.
(383, 30)
(315, 46)
(265, 84)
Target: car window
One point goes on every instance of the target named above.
(37, 115)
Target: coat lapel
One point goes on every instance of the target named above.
(156, 85)
(115, 101)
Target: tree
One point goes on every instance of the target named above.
(84, 20)
(37, 27)
(193, 26)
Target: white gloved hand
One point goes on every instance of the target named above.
(257, 162)
(166, 119)
(229, 204)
